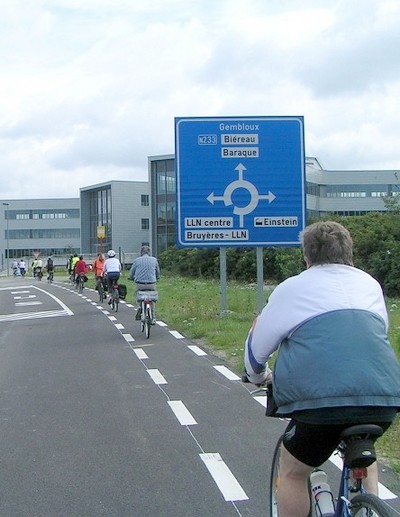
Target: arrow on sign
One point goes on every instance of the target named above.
(270, 196)
(211, 198)
(243, 184)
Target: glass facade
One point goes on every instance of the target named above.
(164, 204)
(100, 219)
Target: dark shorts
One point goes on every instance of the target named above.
(112, 277)
(313, 444)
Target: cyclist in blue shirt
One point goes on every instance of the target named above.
(145, 272)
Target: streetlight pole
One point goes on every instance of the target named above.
(8, 247)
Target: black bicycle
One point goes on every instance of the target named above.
(100, 289)
(114, 295)
(81, 283)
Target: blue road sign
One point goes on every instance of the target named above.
(240, 181)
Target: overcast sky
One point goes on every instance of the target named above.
(90, 88)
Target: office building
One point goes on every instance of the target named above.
(39, 227)
(115, 215)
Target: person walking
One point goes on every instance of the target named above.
(334, 367)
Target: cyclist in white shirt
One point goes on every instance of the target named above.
(112, 271)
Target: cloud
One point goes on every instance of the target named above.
(90, 88)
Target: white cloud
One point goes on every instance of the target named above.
(90, 88)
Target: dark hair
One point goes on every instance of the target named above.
(327, 242)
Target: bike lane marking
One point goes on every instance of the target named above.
(220, 472)
(223, 477)
(181, 412)
(64, 311)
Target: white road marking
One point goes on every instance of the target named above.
(176, 334)
(161, 323)
(112, 318)
(64, 311)
(140, 353)
(24, 304)
(25, 297)
(227, 373)
(156, 376)
(128, 337)
(33, 315)
(223, 477)
(119, 326)
(197, 350)
(261, 399)
(181, 412)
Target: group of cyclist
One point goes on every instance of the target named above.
(145, 270)
(107, 271)
(37, 268)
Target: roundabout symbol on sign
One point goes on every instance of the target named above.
(255, 197)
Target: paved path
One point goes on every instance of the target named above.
(98, 421)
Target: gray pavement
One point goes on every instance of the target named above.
(98, 421)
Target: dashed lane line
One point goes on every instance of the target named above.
(181, 412)
(223, 477)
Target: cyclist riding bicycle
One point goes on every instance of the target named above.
(112, 271)
(49, 266)
(80, 269)
(73, 263)
(335, 366)
(98, 266)
(37, 266)
(145, 272)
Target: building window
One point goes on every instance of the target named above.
(145, 224)
(378, 194)
(145, 199)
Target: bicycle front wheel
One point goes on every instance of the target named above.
(369, 505)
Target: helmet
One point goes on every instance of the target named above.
(111, 253)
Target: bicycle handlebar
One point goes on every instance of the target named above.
(245, 379)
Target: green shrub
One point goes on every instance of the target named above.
(376, 239)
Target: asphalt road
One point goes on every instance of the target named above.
(96, 420)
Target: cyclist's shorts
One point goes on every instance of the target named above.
(113, 276)
(313, 444)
